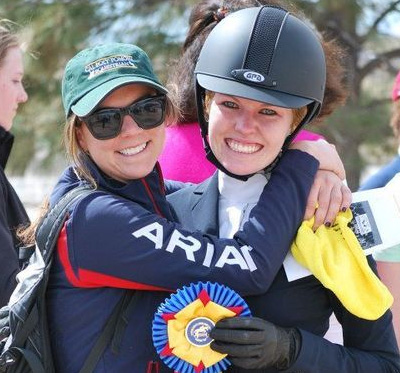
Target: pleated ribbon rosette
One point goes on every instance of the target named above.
(182, 324)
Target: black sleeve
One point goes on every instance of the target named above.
(9, 265)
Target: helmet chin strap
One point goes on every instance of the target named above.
(213, 159)
(200, 94)
(311, 113)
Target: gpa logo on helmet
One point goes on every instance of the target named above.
(252, 76)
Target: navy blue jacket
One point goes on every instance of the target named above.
(12, 216)
(121, 237)
(369, 346)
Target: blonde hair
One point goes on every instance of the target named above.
(79, 157)
(9, 38)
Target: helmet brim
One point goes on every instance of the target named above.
(235, 88)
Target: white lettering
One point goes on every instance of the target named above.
(105, 64)
(146, 231)
(177, 241)
(253, 76)
(230, 255)
(247, 257)
(236, 258)
(209, 255)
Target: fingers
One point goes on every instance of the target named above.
(240, 330)
(338, 199)
(346, 198)
(331, 195)
(239, 337)
(250, 323)
(329, 202)
(246, 363)
(235, 350)
(312, 201)
(250, 342)
(248, 357)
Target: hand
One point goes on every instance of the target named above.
(253, 343)
(325, 153)
(331, 195)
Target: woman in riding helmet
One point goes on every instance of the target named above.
(260, 78)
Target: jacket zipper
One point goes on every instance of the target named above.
(150, 194)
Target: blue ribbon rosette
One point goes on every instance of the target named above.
(182, 324)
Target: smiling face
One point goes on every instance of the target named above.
(134, 152)
(246, 135)
(12, 92)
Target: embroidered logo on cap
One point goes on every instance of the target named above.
(105, 64)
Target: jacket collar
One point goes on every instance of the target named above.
(147, 191)
(204, 205)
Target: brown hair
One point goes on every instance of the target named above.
(203, 18)
(9, 38)
(75, 154)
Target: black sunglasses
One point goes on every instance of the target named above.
(107, 123)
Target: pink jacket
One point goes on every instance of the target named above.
(184, 159)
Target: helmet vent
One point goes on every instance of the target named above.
(263, 39)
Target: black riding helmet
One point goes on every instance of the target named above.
(264, 54)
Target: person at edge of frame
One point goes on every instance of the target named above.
(12, 211)
(388, 261)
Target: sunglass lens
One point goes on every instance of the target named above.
(149, 113)
(105, 124)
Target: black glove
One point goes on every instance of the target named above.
(253, 343)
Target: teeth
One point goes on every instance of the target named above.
(135, 150)
(241, 148)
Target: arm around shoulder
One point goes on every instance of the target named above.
(299, 161)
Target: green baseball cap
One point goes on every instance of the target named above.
(95, 72)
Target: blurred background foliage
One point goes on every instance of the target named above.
(56, 29)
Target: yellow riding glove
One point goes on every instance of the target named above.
(336, 259)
